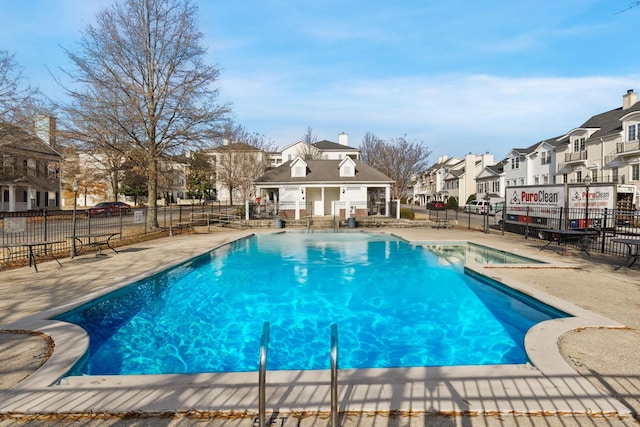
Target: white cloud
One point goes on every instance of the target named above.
(453, 114)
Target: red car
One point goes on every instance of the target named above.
(109, 209)
(435, 206)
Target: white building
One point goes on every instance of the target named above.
(343, 188)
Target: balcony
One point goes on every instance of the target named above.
(575, 157)
(629, 148)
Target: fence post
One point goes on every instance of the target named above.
(121, 218)
(560, 221)
(526, 224)
(603, 227)
(44, 224)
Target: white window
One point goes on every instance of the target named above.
(496, 186)
(635, 172)
(614, 174)
(521, 181)
(515, 162)
(536, 179)
(578, 176)
(545, 179)
(633, 132)
(545, 158)
(579, 144)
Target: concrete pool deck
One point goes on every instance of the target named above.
(607, 392)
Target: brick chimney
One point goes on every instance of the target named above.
(629, 99)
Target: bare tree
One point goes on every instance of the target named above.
(398, 158)
(99, 135)
(308, 151)
(16, 97)
(20, 103)
(240, 159)
(141, 68)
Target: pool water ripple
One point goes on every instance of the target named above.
(394, 304)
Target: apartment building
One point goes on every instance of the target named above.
(606, 148)
(30, 174)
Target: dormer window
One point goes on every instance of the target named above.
(298, 168)
(515, 163)
(579, 144)
(347, 167)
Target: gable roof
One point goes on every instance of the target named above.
(330, 146)
(14, 138)
(323, 171)
(608, 123)
(235, 146)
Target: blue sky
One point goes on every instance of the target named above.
(461, 76)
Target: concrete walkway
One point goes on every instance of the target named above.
(608, 358)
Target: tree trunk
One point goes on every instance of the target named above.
(152, 188)
(230, 195)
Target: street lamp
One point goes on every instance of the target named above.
(587, 182)
(486, 198)
(75, 205)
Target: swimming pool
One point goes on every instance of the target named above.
(395, 307)
(463, 253)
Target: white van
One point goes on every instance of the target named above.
(478, 207)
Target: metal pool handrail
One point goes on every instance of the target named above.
(334, 375)
(262, 375)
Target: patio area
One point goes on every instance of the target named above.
(549, 393)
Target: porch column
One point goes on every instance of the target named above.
(28, 198)
(12, 198)
(387, 198)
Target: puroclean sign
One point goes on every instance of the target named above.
(548, 205)
(536, 196)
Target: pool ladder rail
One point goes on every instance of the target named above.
(262, 375)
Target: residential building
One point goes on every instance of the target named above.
(429, 185)
(326, 150)
(533, 165)
(30, 174)
(343, 188)
(606, 147)
(490, 183)
(460, 181)
(236, 166)
(245, 163)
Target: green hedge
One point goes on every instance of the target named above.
(407, 213)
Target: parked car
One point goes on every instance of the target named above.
(110, 208)
(436, 206)
(478, 207)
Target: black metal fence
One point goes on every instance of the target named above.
(61, 225)
(605, 224)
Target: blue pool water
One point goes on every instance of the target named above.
(393, 304)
